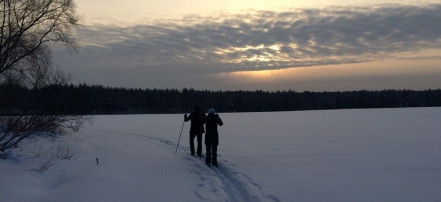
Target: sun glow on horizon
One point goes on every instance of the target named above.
(343, 75)
(260, 75)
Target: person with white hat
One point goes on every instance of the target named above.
(212, 136)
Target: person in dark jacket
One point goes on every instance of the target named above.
(196, 129)
(212, 136)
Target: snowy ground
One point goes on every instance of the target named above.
(337, 155)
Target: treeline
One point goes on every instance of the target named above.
(85, 99)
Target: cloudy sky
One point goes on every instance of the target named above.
(315, 45)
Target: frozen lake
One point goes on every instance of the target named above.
(335, 155)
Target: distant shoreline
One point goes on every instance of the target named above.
(98, 100)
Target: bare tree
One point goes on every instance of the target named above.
(28, 28)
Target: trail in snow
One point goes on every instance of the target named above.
(217, 183)
(233, 185)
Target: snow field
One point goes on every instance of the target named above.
(335, 155)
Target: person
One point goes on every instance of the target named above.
(196, 129)
(212, 136)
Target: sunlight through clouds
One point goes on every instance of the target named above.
(267, 42)
(259, 41)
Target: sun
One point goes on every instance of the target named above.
(261, 75)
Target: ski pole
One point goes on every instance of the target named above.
(180, 136)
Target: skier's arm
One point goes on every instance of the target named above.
(187, 118)
(219, 120)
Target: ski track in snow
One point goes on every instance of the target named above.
(226, 183)
(223, 181)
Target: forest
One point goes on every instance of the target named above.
(94, 99)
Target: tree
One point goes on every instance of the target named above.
(28, 25)
(28, 28)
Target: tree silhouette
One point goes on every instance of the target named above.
(27, 30)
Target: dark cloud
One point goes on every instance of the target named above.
(261, 40)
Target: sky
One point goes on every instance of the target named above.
(312, 45)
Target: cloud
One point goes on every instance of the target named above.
(261, 40)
